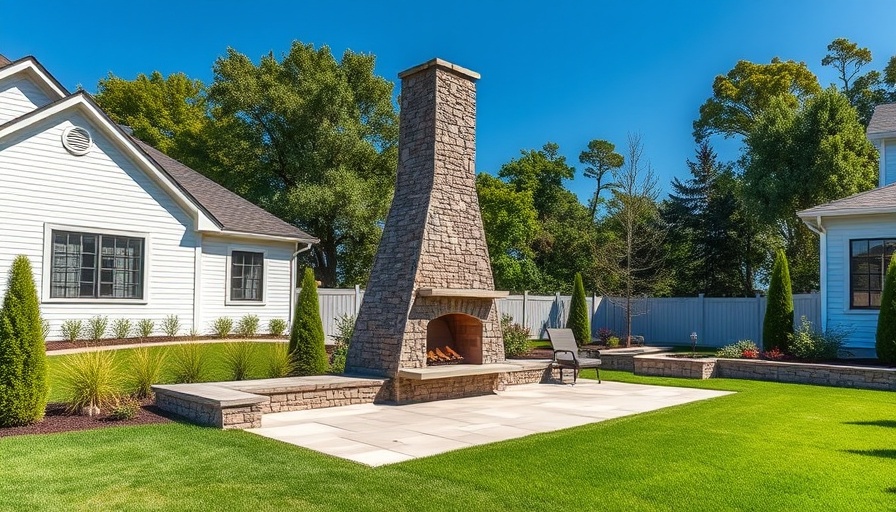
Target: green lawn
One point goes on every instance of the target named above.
(767, 447)
(217, 370)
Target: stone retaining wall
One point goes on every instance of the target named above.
(405, 391)
(208, 413)
(531, 376)
(663, 366)
(805, 373)
(320, 398)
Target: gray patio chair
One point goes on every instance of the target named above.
(566, 354)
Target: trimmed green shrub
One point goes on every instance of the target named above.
(23, 361)
(238, 359)
(805, 343)
(125, 409)
(613, 342)
(72, 329)
(89, 381)
(171, 326)
(146, 370)
(885, 339)
(579, 320)
(306, 341)
(222, 327)
(145, 327)
(277, 326)
(280, 363)
(121, 328)
(247, 326)
(96, 327)
(736, 350)
(190, 363)
(516, 337)
(778, 323)
(345, 327)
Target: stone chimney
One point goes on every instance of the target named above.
(432, 262)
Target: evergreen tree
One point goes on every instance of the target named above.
(579, 320)
(306, 340)
(886, 321)
(23, 365)
(778, 324)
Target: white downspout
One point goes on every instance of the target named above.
(292, 281)
(823, 266)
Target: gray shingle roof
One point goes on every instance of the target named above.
(879, 200)
(230, 210)
(883, 120)
(4, 61)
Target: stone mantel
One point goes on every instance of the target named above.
(469, 293)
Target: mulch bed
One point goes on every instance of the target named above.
(57, 419)
(107, 342)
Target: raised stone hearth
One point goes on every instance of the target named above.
(431, 290)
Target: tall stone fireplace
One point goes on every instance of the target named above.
(431, 299)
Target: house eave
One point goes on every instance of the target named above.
(261, 236)
(809, 215)
(877, 136)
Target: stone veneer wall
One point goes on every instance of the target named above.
(301, 400)
(663, 366)
(804, 373)
(405, 391)
(210, 415)
(433, 237)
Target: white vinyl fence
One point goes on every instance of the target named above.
(717, 321)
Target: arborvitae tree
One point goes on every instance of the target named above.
(306, 340)
(886, 321)
(23, 364)
(579, 320)
(778, 324)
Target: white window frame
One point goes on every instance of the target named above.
(47, 270)
(229, 271)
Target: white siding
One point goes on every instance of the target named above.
(18, 96)
(862, 324)
(888, 164)
(215, 289)
(41, 183)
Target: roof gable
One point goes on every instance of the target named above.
(878, 200)
(31, 68)
(883, 122)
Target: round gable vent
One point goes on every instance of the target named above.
(76, 140)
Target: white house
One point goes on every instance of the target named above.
(858, 237)
(114, 227)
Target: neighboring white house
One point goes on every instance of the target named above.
(858, 237)
(114, 227)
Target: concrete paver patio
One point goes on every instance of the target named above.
(376, 434)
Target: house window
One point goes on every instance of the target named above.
(246, 276)
(868, 260)
(90, 265)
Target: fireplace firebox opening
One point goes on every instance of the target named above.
(454, 339)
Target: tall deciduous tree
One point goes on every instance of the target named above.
(169, 114)
(511, 225)
(633, 215)
(742, 95)
(798, 158)
(777, 326)
(864, 91)
(600, 157)
(23, 364)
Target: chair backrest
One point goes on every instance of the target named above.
(563, 339)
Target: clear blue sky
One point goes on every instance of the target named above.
(557, 71)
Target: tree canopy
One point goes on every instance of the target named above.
(600, 157)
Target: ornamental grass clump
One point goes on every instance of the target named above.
(579, 320)
(145, 327)
(190, 363)
(89, 381)
(96, 327)
(145, 370)
(71, 330)
(277, 326)
(280, 363)
(171, 326)
(345, 327)
(121, 328)
(23, 363)
(247, 326)
(222, 327)
(306, 342)
(238, 359)
(516, 337)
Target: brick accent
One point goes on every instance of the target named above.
(433, 237)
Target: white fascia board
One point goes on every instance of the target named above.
(275, 238)
(37, 75)
(881, 135)
(846, 212)
(80, 102)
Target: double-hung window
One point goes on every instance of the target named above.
(96, 266)
(247, 276)
(868, 260)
